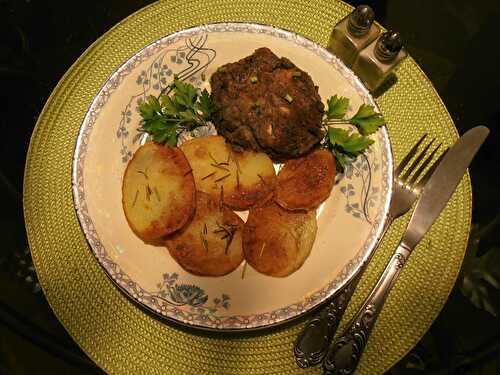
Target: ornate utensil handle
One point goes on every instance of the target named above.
(314, 340)
(345, 353)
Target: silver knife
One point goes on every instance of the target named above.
(345, 353)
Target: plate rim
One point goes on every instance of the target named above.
(79, 201)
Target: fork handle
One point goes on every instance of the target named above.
(314, 340)
(345, 353)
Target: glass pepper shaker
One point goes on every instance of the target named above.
(353, 33)
(379, 58)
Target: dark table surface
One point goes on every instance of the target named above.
(454, 41)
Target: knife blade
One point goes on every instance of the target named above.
(442, 184)
(345, 353)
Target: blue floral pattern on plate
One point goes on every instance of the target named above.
(179, 294)
(189, 62)
(360, 203)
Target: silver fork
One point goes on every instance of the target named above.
(312, 343)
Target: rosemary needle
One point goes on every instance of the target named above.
(223, 177)
(208, 175)
(203, 236)
(156, 193)
(213, 159)
(135, 198)
(148, 193)
(220, 166)
(262, 249)
(221, 199)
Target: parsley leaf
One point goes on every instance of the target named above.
(367, 120)
(150, 109)
(205, 105)
(161, 131)
(364, 111)
(185, 94)
(345, 144)
(337, 107)
(185, 109)
(352, 144)
(341, 159)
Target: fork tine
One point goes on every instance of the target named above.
(417, 160)
(408, 156)
(419, 171)
(429, 173)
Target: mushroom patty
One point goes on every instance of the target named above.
(267, 104)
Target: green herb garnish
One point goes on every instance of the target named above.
(167, 116)
(203, 237)
(254, 79)
(337, 107)
(367, 120)
(227, 232)
(208, 176)
(350, 143)
(223, 177)
(346, 144)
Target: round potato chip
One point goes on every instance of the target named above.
(304, 183)
(276, 242)
(210, 245)
(242, 179)
(158, 191)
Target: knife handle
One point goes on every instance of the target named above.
(345, 353)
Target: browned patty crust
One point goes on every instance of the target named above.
(267, 104)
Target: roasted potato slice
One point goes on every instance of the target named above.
(304, 183)
(276, 242)
(243, 179)
(210, 245)
(158, 191)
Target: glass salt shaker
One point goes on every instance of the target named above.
(374, 64)
(353, 33)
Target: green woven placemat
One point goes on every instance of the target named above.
(122, 338)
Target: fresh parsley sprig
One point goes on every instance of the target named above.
(167, 116)
(349, 143)
(367, 120)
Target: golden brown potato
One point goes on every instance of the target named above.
(306, 182)
(242, 178)
(210, 245)
(276, 242)
(158, 191)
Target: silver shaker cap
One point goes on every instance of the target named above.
(360, 20)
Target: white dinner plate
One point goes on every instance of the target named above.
(349, 222)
